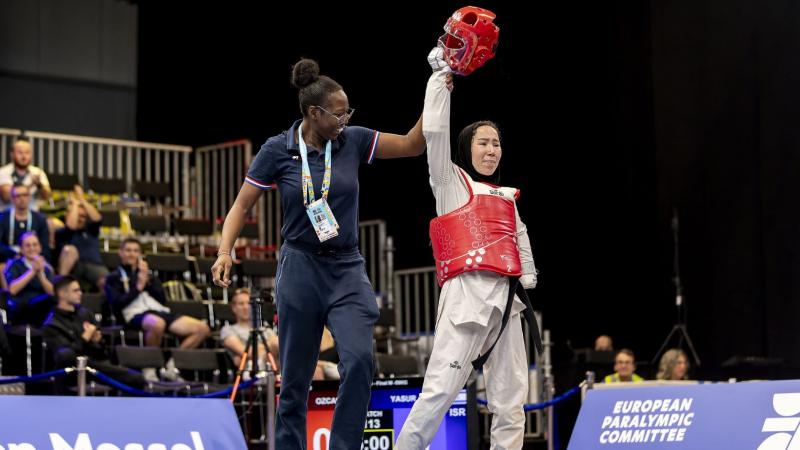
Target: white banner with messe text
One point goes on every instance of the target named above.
(118, 423)
(748, 416)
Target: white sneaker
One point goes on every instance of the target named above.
(170, 372)
(150, 375)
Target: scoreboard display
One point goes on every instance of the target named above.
(390, 405)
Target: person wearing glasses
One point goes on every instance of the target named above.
(18, 219)
(624, 368)
(321, 280)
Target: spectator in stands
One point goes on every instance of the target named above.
(138, 298)
(29, 279)
(71, 331)
(234, 338)
(78, 244)
(19, 219)
(20, 171)
(624, 367)
(603, 343)
(674, 365)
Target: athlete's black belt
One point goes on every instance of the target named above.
(514, 288)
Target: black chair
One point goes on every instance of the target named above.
(397, 365)
(111, 224)
(204, 266)
(145, 358)
(258, 272)
(62, 182)
(201, 276)
(222, 314)
(110, 260)
(149, 224)
(111, 219)
(155, 226)
(199, 361)
(158, 190)
(388, 321)
(96, 303)
(168, 266)
(193, 229)
(106, 185)
(60, 185)
(250, 231)
(153, 193)
(268, 311)
(198, 310)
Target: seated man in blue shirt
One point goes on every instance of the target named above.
(77, 244)
(138, 298)
(18, 219)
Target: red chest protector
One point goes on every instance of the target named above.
(481, 235)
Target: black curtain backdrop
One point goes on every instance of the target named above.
(613, 114)
(725, 77)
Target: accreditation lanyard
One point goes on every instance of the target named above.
(12, 217)
(123, 276)
(308, 183)
(319, 212)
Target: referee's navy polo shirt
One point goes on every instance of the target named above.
(278, 162)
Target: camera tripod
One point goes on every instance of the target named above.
(251, 354)
(679, 328)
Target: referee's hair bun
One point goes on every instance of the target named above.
(304, 73)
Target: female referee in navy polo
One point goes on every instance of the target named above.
(321, 279)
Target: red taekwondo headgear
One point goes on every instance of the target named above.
(470, 39)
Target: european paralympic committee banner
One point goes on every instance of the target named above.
(109, 423)
(748, 416)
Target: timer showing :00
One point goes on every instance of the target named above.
(377, 443)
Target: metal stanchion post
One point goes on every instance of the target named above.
(549, 386)
(548, 396)
(28, 351)
(270, 379)
(587, 384)
(82, 363)
(390, 273)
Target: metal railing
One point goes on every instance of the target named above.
(373, 244)
(7, 138)
(415, 300)
(219, 174)
(129, 161)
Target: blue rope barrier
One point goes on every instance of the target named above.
(122, 386)
(132, 390)
(535, 406)
(37, 377)
(226, 392)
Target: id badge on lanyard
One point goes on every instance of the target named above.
(319, 212)
(322, 219)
